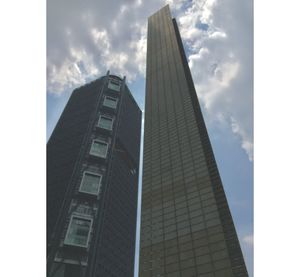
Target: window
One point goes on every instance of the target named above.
(105, 122)
(90, 183)
(78, 232)
(114, 85)
(83, 209)
(99, 148)
(110, 102)
(133, 171)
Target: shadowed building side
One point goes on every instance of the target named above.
(92, 182)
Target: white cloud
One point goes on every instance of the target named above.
(246, 141)
(86, 40)
(248, 240)
(217, 35)
(140, 49)
(218, 39)
(175, 4)
(207, 10)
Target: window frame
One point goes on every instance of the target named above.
(79, 216)
(91, 173)
(114, 82)
(101, 141)
(106, 97)
(105, 116)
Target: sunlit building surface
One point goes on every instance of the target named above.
(186, 226)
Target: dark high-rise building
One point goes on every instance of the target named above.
(186, 229)
(92, 182)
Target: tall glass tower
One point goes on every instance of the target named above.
(186, 229)
(92, 182)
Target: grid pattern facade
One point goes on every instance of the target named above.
(91, 232)
(186, 227)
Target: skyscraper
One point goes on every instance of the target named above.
(92, 182)
(186, 229)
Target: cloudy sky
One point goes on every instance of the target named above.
(86, 38)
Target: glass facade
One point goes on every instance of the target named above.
(186, 225)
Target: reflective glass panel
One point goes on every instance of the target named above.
(90, 183)
(114, 85)
(99, 149)
(105, 122)
(78, 231)
(110, 102)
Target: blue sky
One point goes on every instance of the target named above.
(84, 40)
